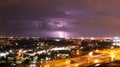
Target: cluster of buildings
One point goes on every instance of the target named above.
(15, 50)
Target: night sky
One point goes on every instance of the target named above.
(60, 18)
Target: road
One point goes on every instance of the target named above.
(102, 56)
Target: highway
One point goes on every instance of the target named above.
(98, 57)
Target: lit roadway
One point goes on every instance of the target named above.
(103, 56)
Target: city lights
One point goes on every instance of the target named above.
(96, 61)
(59, 33)
(90, 54)
(66, 52)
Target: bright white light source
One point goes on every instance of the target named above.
(82, 38)
(60, 48)
(57, 39)
(40, 52)
(116, 40)
(3, 54)
(116, 37)
(10, 51)
(91, 54)
(92, 38)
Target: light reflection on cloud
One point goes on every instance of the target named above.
(61, 34)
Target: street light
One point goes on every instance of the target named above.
(96, 50)
(67, 61)
(90, 54)
(112, 56)
(96, 61)
(77, 52)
